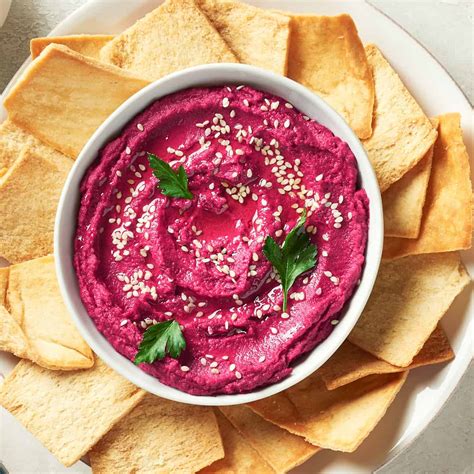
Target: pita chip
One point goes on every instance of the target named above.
(404, 200)
(350, 363)
(36, 306)
(57, 101)
(402, 133)
(334, 419)
(159, 436)
(29, 192)
(281, 449)
(327, 56)
(175, 36)
(88, 45)
(409, 298)
(12, 338)
(12, 141)
(446, 224)
(240, 457)
(68, 411)
(256, 36)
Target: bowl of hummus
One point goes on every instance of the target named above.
(219, 235)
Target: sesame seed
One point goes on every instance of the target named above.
(274, 330)
(225, 102)
(334, 322)
(261, 359)
(128, 150)
(285, 315)
(140, 127)
(232, 367)
(238, 375)
(185, 368)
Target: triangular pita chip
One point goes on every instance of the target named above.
(63, 97)
(29, 195)
(12, 338)
(446, 224)
(350, 363)
(281, 449)
(327, 56)
(175, 36)
(88, 45)
(240, 457)
(334, 419)
(12, 141)
(403, 201)
(68, 411)
(159, 435)
(35, 304)
(410, 296)
(402, 133)
(256, 36)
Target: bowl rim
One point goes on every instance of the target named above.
(200, 76)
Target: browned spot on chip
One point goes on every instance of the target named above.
(159, 435)
(256, 36)
(350, 363)
(88, 45)
(404, 200)
(402, 133)
(68, 411)
(281, 449)
(240, 457)
(58, 101)
(175, 36)
(327, 56)
(29, 195)
(35, 304)
(446, 224)
(334, 419)
(410, 296)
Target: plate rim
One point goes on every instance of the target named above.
(466, 357)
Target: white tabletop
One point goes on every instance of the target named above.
(445, 28)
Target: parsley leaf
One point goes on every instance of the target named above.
(159, 339)
(172, 183)
(296, 256)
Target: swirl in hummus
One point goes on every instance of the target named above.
(254, 164)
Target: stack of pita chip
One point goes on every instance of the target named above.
(79, 406)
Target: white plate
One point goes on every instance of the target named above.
(427, 389)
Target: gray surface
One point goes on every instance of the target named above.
(445, 28)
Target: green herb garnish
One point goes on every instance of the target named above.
(296, 256)
(172, 183)
(161, 339)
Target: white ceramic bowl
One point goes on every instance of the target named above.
(208, 75)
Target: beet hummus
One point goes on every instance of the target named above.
(254, 163)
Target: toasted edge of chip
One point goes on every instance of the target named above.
(174, 36)
(56, 100)
(402, 133)
(239, 456)
(350, 363)
(88, 45)
(35, 304)
(68, 411)
(159, 435)
(256, 36)
(280, 448)
(409, 298)
(333, 419)
(446, 224)
(29, 194)
(327, 56)
(403, 201)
